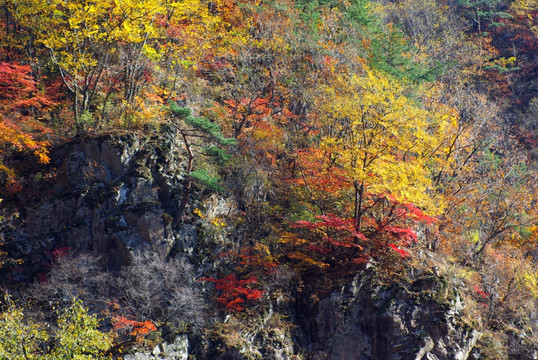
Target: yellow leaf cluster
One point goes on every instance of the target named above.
(86, 36)
(384, 139)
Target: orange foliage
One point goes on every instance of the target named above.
(315, 170)
(135, 328)
(20, 104)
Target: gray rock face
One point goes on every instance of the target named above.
(361, 322)
(110, 195)
(177, 350)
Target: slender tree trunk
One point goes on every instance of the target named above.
(109, 92)
(359, 192)
(75, 110)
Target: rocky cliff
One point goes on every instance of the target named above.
(109, 195)
(116, 194)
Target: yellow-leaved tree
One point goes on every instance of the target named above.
(127, 52)
(385, 141)
(82, 38)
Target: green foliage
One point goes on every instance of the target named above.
(202, 124)
(481, 11)
(200, 127)
(220, 155)
(76, 335)
(206, 179)
(209, 127)
(391, 53)
(359, 13)
(502, 65)
(179, 111)
(384, 46)
(21, 337)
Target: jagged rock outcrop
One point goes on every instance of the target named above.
(109, 195)
(177, 350)
(361, 321)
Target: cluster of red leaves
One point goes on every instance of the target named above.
(60, 252)
(18, 85)
(251, 265)
(395, 229)
(15, 79)
(235, 292)
(331, 240)
(19, 104)
(334, 241)
(399, 251)
(481, 293)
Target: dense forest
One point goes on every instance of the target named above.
(387, 140)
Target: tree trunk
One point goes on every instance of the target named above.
(359, 192)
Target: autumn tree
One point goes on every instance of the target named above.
(384, 142)
(20, 338)
(81, 39)
(20, 104)
(368, 176)
(133, 54)
(75, 336)
(244, 273)
(492, 205)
